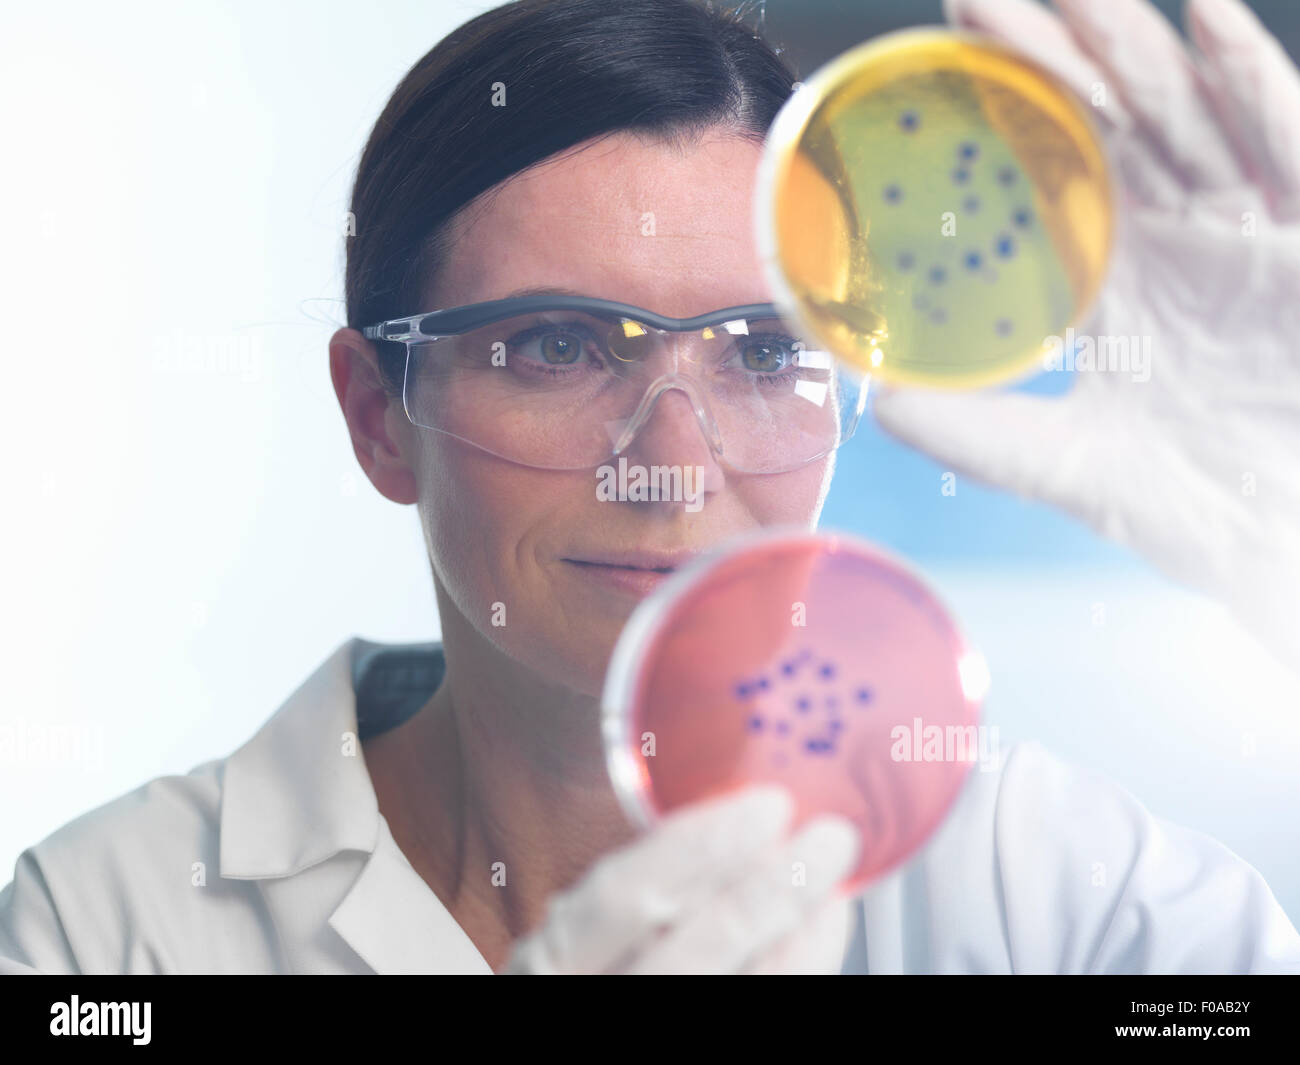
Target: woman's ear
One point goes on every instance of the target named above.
(375, 418)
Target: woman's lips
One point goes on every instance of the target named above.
(631, 579)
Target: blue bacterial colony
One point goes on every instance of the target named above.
(1002, 246)
(799, 687)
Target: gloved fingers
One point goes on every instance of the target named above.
(1040, 34)
(631, 893)
(1146, 60)
(1033, 30)
(1012, 440)
(1146, 177)
(816, 949)
(1257, 90)
(767, 900)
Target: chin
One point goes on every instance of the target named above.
(565, 656)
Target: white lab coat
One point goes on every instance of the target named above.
(277, 859)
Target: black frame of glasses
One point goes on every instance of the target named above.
(456, 320)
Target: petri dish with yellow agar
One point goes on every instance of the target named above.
(816, 661)
(933, 207)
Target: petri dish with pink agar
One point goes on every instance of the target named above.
(813, 660)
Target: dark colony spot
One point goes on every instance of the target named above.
(920, 301)
(906, 260)
(836, 725)
(863, 695)
(974, 260)
(893, 193)
(1003, 327)
(960, 176)
(938, 316)
(787, 669)
(743, 691)
(762, 684)
(938, 275)
(969, 151)
(827, 671)
(1006, 176)
(816, 746)
(803, 704)
(970, 204)
(1022, 217)
(1006, 245)
(756, 724)
(908, 121)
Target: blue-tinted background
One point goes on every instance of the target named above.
(1090, 650)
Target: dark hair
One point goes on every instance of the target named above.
(573, 70)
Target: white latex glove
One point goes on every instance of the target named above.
(1167, 466)
(710, 889)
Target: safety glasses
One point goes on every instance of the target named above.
(568, 383)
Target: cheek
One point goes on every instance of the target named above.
(473, 509)
(488, 526)
(794, 498)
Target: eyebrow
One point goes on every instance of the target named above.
(550, 290)
(543, 290)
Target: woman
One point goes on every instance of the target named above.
(448, 809)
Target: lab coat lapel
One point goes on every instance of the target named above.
(397, 924)
(298, 809)
(298, 791)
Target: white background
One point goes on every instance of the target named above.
(187, 531)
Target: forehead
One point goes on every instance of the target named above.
(643, 222)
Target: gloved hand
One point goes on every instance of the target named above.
(710, 889)
(1197, 468)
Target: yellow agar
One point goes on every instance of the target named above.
(939, 208)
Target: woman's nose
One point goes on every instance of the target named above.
(674, 427)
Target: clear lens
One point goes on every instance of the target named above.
(558, 389)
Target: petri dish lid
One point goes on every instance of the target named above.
(816, 661)
(933, 208)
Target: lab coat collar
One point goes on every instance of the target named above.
(298, 793)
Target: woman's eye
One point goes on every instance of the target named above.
(549, 346)
(769, 356)
(560, 349)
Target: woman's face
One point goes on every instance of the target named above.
(639, 222)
